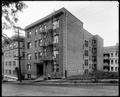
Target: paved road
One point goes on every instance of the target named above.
(33, 90)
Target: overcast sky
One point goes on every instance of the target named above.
(99, 17)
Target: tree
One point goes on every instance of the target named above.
(9, 12)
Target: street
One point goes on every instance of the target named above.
(36, 90)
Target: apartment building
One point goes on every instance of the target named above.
(58, 46)
(10, 57)
(111, 58)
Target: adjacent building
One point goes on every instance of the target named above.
(111, 58)
(58, 46)
(10, 57)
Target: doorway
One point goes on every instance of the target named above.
(39, 70)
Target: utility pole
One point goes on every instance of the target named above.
(19, 56)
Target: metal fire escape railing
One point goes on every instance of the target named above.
(48, 41)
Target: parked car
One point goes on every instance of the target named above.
(9, 78)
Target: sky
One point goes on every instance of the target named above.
(99, 17)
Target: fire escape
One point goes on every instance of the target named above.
(94, 54)
(49, 46)
(106, 61)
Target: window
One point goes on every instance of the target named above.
(115, 61)
(45, 28)
(29, 56)
(111, 54)
(29, 45)
(45, 52)
(40, 42)
(94, 50)
(35, 55)
(86, 52)
(40, 54)
(116, 68)
(35, 43)
(9, 63)
(116, 53)
(11, 46)
(56, 24)
(29, 76)
(45, 37)
(55, 54)
(57, 69)
(111, 61)
(86, 71)
(6, 63)
(23, 45)
(14, 63)
(90, 49)
(36, 31)
(111, 68)
(86, 43)
(40, 36)
(14, 72)
(55, 39)
(86, 62)
(94, 42)
(94, 59)
(9, 71)
(15, 45)
(28, 66)
(41, 29)
(90, 66)
(28, 34)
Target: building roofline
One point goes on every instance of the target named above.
(49, 16)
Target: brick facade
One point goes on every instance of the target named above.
(71, 59)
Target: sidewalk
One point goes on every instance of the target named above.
(61, 83)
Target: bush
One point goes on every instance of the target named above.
(95, 75)
(105, 75)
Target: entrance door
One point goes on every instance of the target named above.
(39, 70)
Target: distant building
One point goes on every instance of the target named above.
(10, 59)
(111, 58)
(59, 46)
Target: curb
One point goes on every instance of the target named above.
(65, 84)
